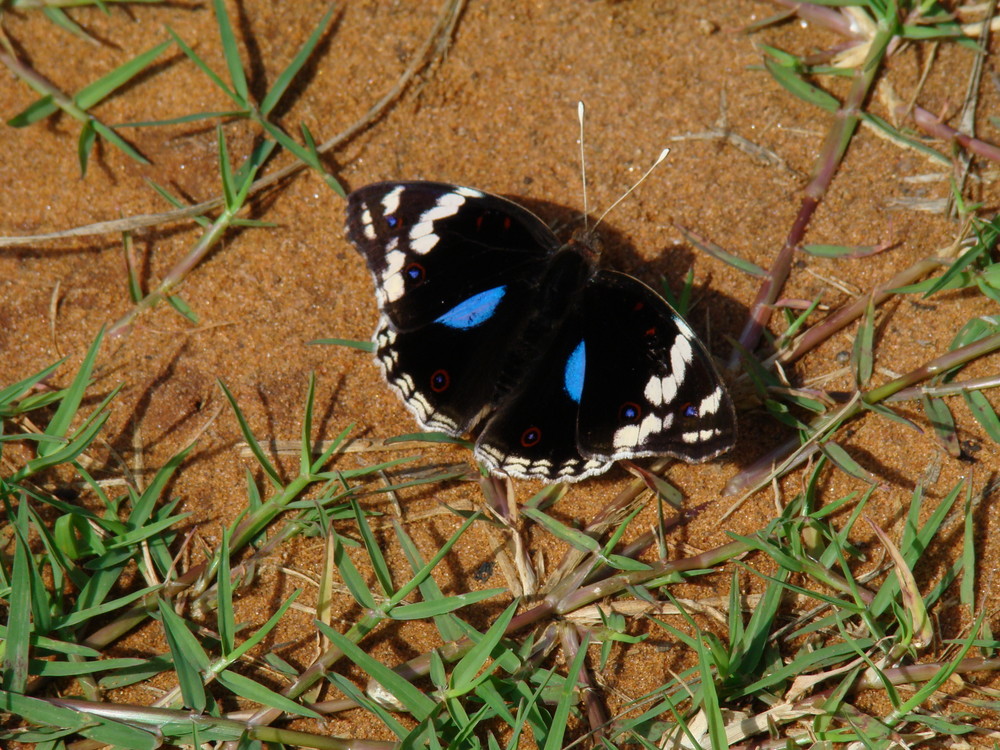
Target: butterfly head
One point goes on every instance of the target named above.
(587, 243)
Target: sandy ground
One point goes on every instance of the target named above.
(497, 112)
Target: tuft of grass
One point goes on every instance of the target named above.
(78, 105)
(480, 684)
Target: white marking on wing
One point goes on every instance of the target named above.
(394, 261)
(681, 355)
(650, 425)
(654, 391)
(699, 436)
(390, 202)
(424, 244)
(447, 205)
(626, 437)
(394, 288)
(710, 404)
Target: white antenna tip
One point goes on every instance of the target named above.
(579, 110)
(663, 155)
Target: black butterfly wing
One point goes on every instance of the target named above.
(533, 434)
(454, 271)
(431, 246)
(650, 386)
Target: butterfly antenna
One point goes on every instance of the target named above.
(583, 166)
(662, 156)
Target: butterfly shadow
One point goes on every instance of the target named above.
(714, 315)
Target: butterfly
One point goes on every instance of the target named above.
(487, 319)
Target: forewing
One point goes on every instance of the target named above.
(431, 246)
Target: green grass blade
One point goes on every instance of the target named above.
(231, 51)
(364, 346)
(846, 463)
(143, 509)
(983, 412)
(379, 566)
(132, 275)
(578, 539)
(246, 688)
(286, 76)
(37, 110)
(753, 642)
(350, 690)
(196, 117)
(84, 614)
(708, 696)
(120, 143)
(100, 89)
(190, 660)
(10, 395)
(795, 85)
(862, 351)
(423, 610)
(904, 140)
(212, 75)
(265, 629)
(838, 251)
(405, 590)
(224, 585)
(59, 18)
(258, 157)
(17, 647)
(329, 179)
(303, 154)
(334, 446)
(226, 172)
(468, 673)
(59, 424)
(248, 435)
(447, 626)
(943, 423)
(567, 698)
(43, 668)
(61, 452)
(717, 252)
(179, 305)
(354, 581)
(96, 728)
(419, 705)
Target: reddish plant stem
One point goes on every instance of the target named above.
(853, 310)
(829, 18)
(945, 362)
(844, 124)
(597, 712)
(932, 125)
(760, 310)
